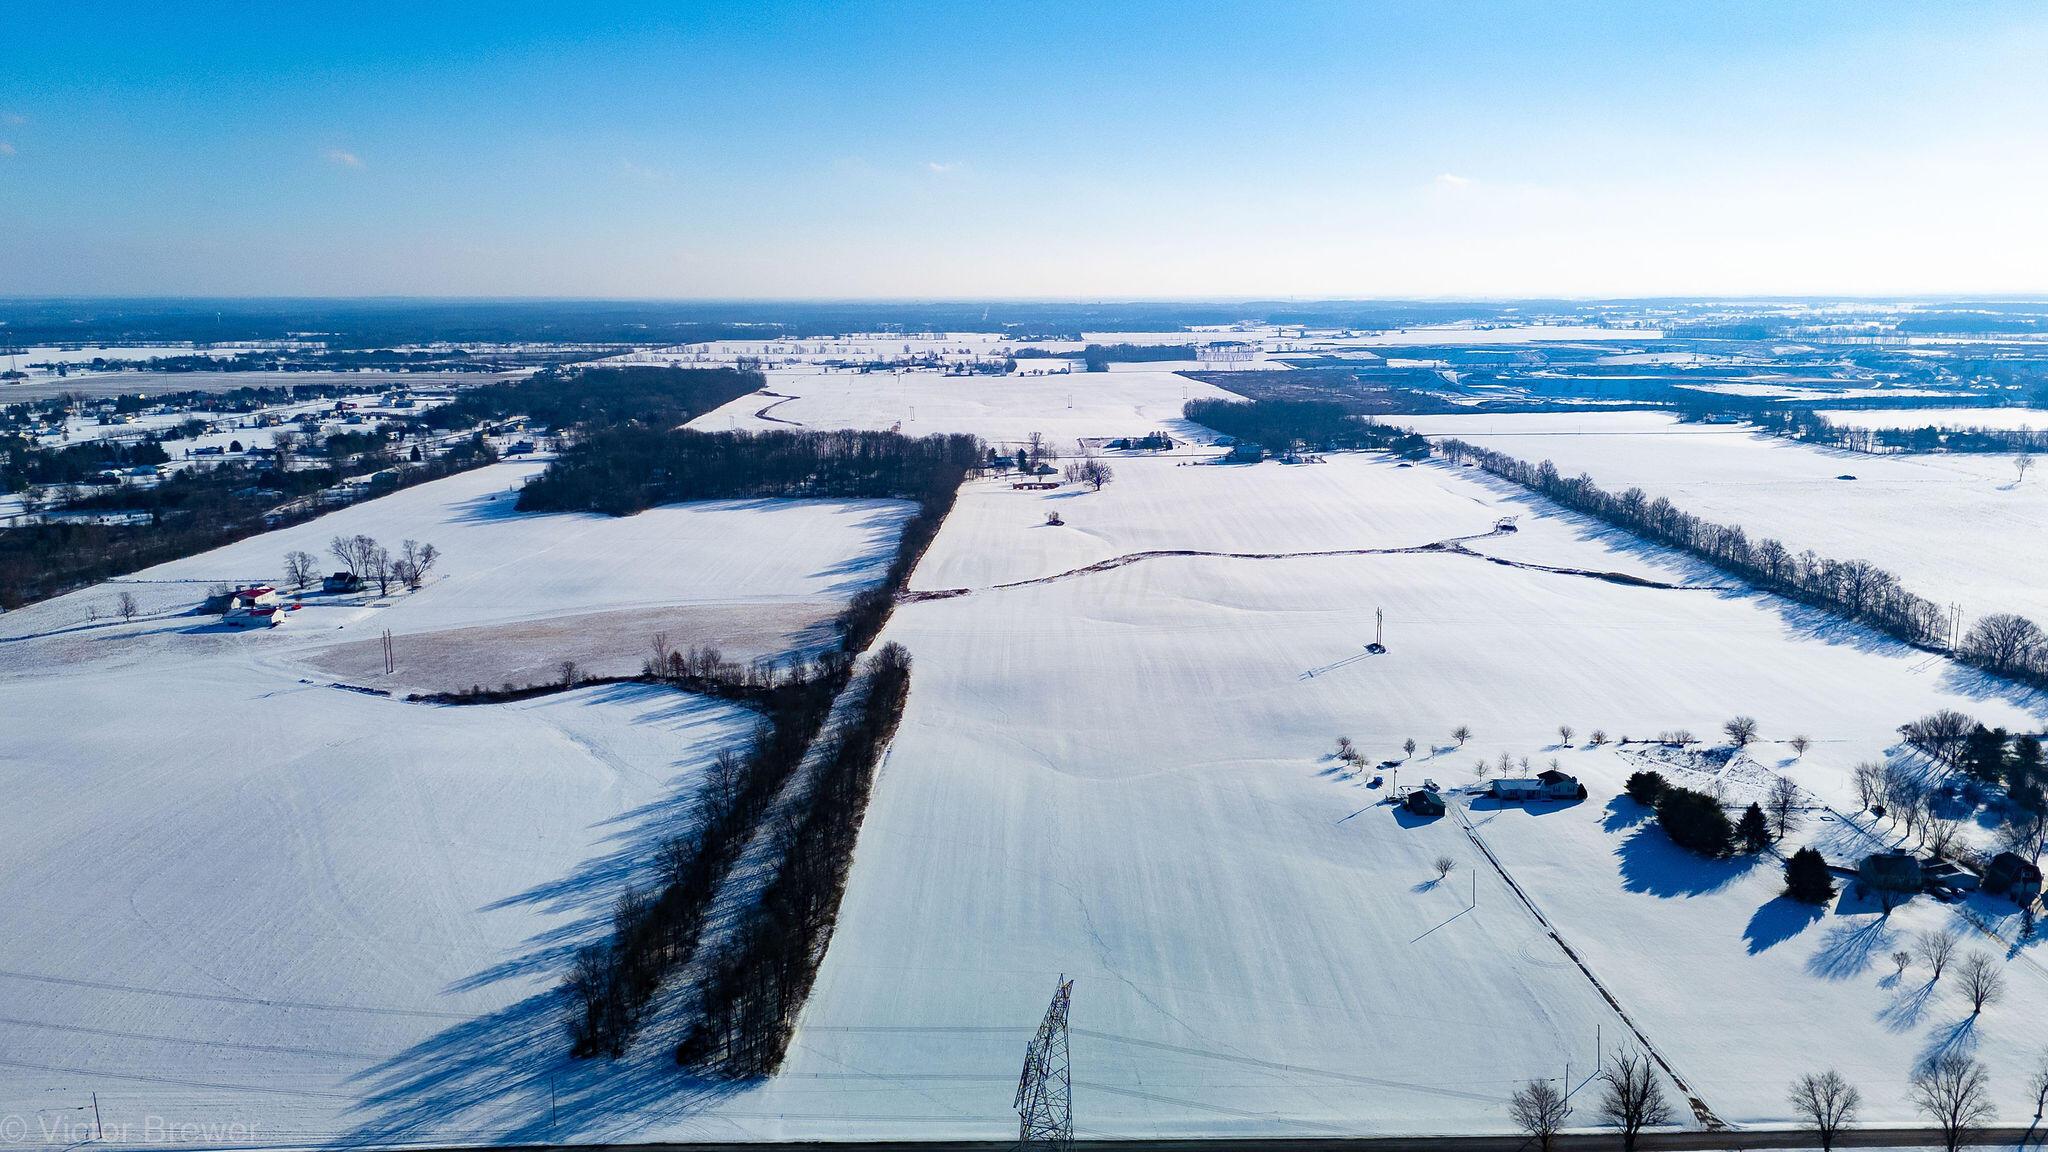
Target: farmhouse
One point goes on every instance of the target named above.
(253, 595)
(1893, 871)
(2014, 875)
(341, 582)
(1424, 802)
(1246, 452)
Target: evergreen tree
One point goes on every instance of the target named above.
(1753, 830)
(1807, 877)
(1695, 820)
(1984, 753)
(2025, 768)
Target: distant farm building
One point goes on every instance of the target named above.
(1246, 452)
(253, 595)
(254, 616)
(341, 582)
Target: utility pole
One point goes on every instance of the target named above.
(98, 1131)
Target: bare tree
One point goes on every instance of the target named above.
(1444, 865)
(379, 568)
(1940, 734)
(1095, 473)
(1481, 768)
(2021, 463)
(126, 606)
(1954, 1092)
(1539, 1109)
(2039, 1087)
(1632, 1098)
(1782, 802)
(1597, 737)
(1344, 748)
(1900, 959)
(1564, 735)
(1408, 746)
(1983, 983)
(1741, 730)
(284, 449)
(1937, 947)
(1940, 834)
(1870, 784)
(414, 561)
(1461, 734)
(1799, 745)
(358, 553)
(1827, 1102)
(299, 568)
(565, 673)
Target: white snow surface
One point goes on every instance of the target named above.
(1000, 409)
(1951, 527)
(240, 897)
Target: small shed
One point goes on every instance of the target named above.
(1424, 802)
(2015, 876)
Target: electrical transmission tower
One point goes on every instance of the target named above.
(1045, 1106)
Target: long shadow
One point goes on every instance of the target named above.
(1624, 813)
(1958, 1039)
(1847, 949)
(1779, 920)
(1651, 863)
(506, 1076)
(1904, 1012)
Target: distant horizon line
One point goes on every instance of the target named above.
(2037, 297)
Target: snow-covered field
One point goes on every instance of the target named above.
(1128, 400)
(1123, 775)
(238, 893)
(242, 895)
(501, 567)
(1953, 528)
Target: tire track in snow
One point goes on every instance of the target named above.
(1451, 547)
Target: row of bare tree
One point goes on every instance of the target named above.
(1953, 1091)
(748, 996)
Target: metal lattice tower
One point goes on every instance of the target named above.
(1045, 1106)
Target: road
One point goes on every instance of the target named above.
(1688, 1141)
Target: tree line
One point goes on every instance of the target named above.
(746, 997)
(649, 396)
(2000, 643)
(1326, 424)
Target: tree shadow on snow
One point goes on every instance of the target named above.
(1651, 863)
(1779, 920)
(506, 1076)
(1848, 948)
(1624, 813)
(1957, 1039)
(1904, 1012)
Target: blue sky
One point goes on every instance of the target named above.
(1051, 150)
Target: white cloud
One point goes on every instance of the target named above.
(1452, 180)
(940, 169)
(13, 119)
(6, 149)
(342, 158)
